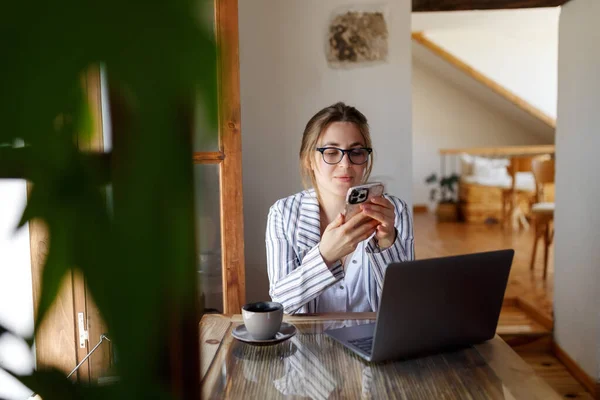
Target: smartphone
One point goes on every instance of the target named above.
(361, 194)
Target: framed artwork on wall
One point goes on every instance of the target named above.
(357, 37)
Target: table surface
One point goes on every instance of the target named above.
(312, 365)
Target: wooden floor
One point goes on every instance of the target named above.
(526, 318)
(434, 239)
(557, 376)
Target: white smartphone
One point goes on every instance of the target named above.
(361, 194)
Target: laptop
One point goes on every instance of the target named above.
(433, 305)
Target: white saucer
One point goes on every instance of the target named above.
(286, 331)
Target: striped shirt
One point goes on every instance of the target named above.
(298, 275)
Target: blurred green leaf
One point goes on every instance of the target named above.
(33, 208)
(159, 60)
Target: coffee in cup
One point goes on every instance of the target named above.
(263, 319)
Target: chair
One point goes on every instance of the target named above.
(513, 197)
(542, 211)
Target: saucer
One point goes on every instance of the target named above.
(286, 331)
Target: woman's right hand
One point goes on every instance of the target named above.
(340, 238)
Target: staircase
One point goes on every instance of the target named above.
(530, 334)
(523, 331)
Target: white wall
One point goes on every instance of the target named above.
(522, 59)
(577, 237)
(285, 80)
(16, 301)
(445, 116)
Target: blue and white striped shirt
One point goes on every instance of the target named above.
(298, 275)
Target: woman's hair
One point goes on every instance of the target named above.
(338, 112)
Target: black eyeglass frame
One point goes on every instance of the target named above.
(344, 152)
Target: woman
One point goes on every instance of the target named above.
(317, 261)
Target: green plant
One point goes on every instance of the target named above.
(446, 190)
(137, 253)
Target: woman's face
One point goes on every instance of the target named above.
(336, 179)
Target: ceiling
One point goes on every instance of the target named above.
(531, 19)
(475, 89)
(534, 20)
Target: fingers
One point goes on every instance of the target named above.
(357, 220)
(337, 222)
(382, 210)
(382, 201)
(362, 237)
(363, 231)
(379, 208)
(380, 213)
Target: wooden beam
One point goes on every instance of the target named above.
(99, 364)
(214, 157)
(420, 38)
(232, 217)
(464, 5)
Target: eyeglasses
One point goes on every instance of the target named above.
(333, 155)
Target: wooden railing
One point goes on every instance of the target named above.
(502, 151)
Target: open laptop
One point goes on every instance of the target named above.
(433, 305)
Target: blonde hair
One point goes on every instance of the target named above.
(338, 112)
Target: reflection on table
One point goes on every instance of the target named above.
(312, 365)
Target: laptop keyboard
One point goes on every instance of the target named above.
(365, 344)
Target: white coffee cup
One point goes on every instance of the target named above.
(263, 319)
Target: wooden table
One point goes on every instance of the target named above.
(312, 365)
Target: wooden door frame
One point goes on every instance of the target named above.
(232, 202)
(229, 156)
(95, 326)
(57, 339)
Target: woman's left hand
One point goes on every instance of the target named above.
(382, 210)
